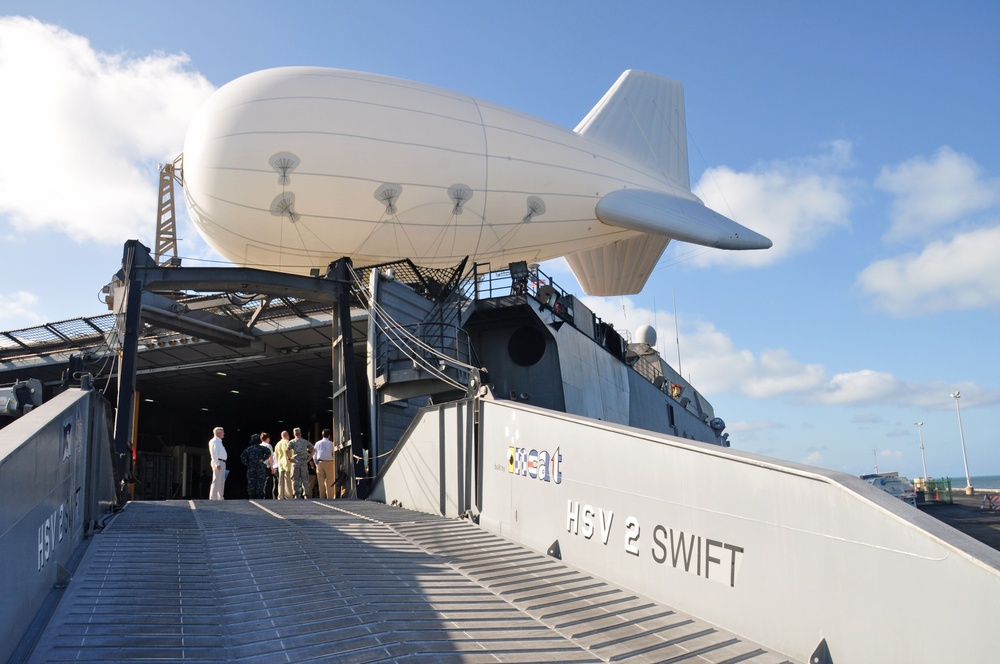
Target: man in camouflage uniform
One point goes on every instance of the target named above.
(299, 452)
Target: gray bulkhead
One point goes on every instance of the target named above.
(406, 307)
(520, 353)
(561, 358)
(535, 356)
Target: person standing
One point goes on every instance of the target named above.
(255, 458)
(300, 452)
(326, 466)
(312, 490)
(284, 468)
(272, 465)
(217, 452)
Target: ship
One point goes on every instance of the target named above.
(517, 480)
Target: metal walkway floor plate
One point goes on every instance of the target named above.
(350, 581)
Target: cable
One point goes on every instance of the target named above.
(415, 357)
(405, 341)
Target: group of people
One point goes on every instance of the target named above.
(286, 466)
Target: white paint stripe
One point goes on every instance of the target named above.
(274, 514)
(343, 511)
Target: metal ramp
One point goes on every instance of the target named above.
(349, 581)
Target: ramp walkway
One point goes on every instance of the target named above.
(349, 581)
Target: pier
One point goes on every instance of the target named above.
(966, 514)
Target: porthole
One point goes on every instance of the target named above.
(526, 346)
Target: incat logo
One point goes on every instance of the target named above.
(538, 465)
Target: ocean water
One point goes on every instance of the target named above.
(978, 482)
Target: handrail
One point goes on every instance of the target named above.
(444, 342)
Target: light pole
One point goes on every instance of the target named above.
(920, 432)
(956, 395)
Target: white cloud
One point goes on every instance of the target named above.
(961, 273)
(713, 361)
(19, 306)
(715, 365)
(83, 131)
(875, 388)
(778, 373)
(796, 203)
(863, 386)
(933, 193)
(814, 458)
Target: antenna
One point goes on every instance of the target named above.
(166, 222)
(656, 326)
(677, 334)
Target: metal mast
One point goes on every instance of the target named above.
(166, 222)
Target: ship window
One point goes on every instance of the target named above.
(526, 346)
(670, 415)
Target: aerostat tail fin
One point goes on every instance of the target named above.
(619, 268)
(642, 116)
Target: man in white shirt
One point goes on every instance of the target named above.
(217, 453)
(326, 466)
(272, 464)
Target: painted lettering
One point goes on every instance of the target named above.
(48, 538)
(51, 532)
(661, 556)
(606, 518)
(683, 551)
(41, 547)
(543, 466)
(686, 553)
(536, 464)
(632, 535)
(732, 548)
(588, 521)
(677, 547)
(573, 517)
(709, 558)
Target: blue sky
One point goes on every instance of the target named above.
(861, 137)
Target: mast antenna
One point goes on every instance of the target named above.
(166, 221)
(677, 335)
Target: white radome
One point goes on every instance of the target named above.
(646, 334)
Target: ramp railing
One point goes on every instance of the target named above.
(57, 479)
(782, 553)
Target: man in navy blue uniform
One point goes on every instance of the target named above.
(255, 457)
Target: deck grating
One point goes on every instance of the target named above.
(350, 581)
